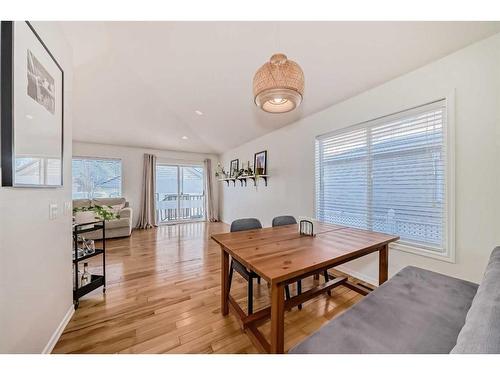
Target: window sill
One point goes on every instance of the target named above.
(448, 256)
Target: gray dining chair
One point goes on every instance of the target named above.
(240, 225)
(283, 220)
(245, 224)
(249, 276)
(287, 220)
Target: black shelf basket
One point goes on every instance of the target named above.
(96, 281)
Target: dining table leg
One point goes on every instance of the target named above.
(383, 264)
(224, 282)
(277, 318)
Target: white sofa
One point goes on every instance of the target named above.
(121, 227)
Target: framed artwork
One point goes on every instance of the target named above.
(234, 168)
(260, 163)
(32, 86)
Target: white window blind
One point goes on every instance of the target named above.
(388, 175)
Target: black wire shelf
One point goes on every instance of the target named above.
(94, 227)
(96, 281)
(87, 256)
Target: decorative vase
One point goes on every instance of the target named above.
(86, 278)
(89, 247)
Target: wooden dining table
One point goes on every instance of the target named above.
(281, 256)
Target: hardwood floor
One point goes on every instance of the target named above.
(163, 296)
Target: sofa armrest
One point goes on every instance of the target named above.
(125, 213)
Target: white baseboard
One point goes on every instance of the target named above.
(58, 332)
(357, 275)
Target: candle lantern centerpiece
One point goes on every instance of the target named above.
(306, 228)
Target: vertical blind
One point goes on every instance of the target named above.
(388, 175)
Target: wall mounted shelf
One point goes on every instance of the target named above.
(255, 178)
(243, 179)
(227, 180)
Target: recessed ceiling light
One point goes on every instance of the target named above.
(29, 117)
(198, 112)
(184, 137)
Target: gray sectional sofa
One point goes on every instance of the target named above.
(418, 311)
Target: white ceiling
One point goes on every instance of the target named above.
(139, 83)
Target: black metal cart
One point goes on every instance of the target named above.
(95, 280)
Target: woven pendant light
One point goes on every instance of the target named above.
(278, 85)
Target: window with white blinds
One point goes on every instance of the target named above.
(388, 175)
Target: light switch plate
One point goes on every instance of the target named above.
(52, 211)
(68, 209)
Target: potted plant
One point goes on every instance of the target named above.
(89, 214)
(220, 172)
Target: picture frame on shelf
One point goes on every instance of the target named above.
(32, 108)
(260, 163)
(234, 168)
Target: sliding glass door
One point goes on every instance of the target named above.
(192, 198)
(180, 194)
(167, 192)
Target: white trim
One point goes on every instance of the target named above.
(423, 251)
(450, 181)
(59, 330)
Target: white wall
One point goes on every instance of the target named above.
(35, 252)
(132, 165)
(473, 74)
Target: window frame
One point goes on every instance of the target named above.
(97, 158)
(449, 184)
